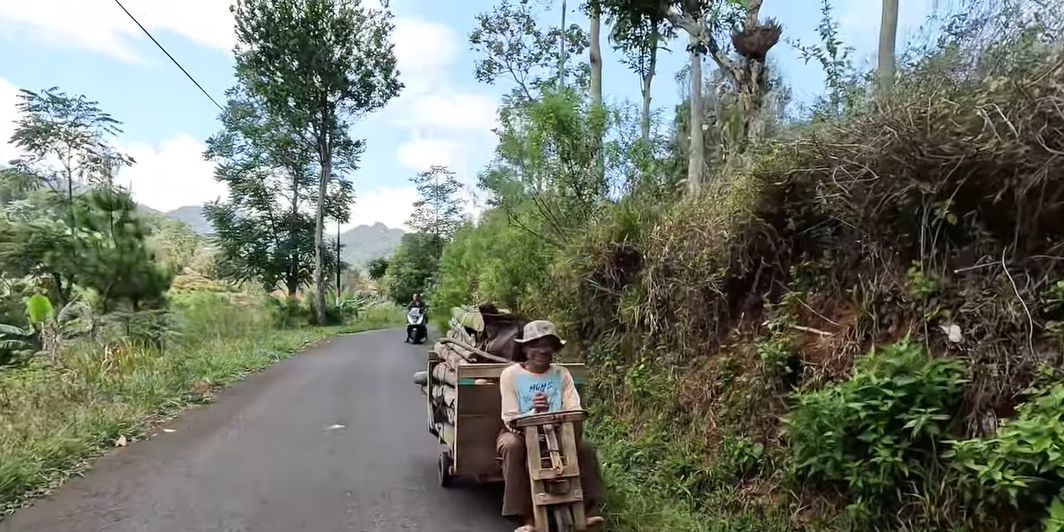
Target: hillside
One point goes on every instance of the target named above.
(361, 244)
(192, 215)
(364, 243)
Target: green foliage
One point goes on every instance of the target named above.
(39, 309)
(436, 218)
(378, 268)
(174, 243)
(846, 88)
(413, 267)
(881, 428)
(113, 257)
(494, 261)
(265, 228)
(656, 482)
(438, 210)
(511, 44)
(780, 355)
(64, 142)
(1023, 463)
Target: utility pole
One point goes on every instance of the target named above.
(339, 264)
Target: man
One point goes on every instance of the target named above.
(535, 384)
(416, 302)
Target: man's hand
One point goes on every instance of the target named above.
(540, 403)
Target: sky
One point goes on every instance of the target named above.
(443, 116)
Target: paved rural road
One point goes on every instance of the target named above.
(262, 459)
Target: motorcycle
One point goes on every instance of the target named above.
(416, 330)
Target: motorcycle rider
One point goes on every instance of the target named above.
(416, 302)
(419, 304)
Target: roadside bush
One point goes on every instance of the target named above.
(1021, 466)
(287, 312)
(202, 316)
(881, 428)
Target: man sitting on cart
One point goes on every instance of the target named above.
(535, 385)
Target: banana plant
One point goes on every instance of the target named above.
(55, 327)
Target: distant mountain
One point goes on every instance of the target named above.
(364, 243)
(192, 215)
(361, 244)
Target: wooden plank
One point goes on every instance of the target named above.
(479, 422)
(569, 471)
(534, 459)
(542, 498)
(549, 418)
(579, 516)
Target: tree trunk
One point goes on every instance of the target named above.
(697, 155)
(888, 35)
(292, 280)
(561, 50)
(751, 104)
(290, 283)
(319, 231)
(338, 292)
(648, 79)
(596, 62)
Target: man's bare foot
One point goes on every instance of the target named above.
(526, 528)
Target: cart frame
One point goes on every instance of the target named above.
(470, 452)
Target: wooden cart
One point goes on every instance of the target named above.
(469, 441)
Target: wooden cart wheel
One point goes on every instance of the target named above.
(446, 463)
(563, 518)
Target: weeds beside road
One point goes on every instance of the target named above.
(54, 419)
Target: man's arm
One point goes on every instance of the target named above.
(511, 407)
(570, 397)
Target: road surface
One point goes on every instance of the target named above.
(331, 440)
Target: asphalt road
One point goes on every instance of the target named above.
(268, 456)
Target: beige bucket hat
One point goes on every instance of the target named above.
(534, 330)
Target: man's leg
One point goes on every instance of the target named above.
(517, 493)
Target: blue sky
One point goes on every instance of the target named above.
(443, 117)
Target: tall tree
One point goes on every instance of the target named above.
(65, 141)
(708, 23)
(595, 58)
(888, 36)
(265, 228)
(512, 45)
(318, 65)
(438, 211)
(639, 36)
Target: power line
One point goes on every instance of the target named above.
(146, 32)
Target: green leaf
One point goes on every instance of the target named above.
(39, 309)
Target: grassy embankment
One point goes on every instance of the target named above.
(53, 420)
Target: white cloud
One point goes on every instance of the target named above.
(450, 110)
(101, 26)
(419, 154)
(170, 174)
(8, 114)
(388, 205)
(425, 52)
